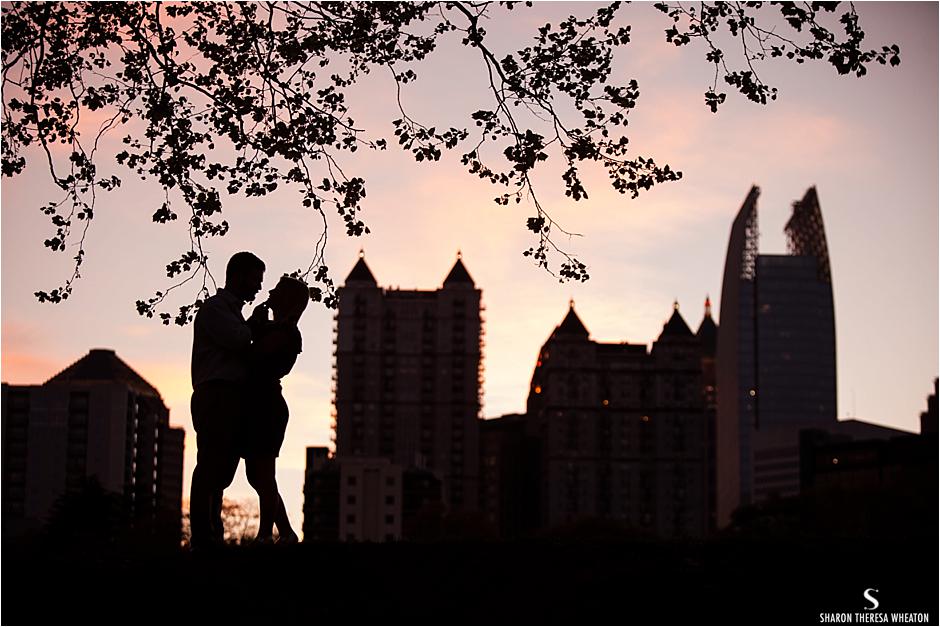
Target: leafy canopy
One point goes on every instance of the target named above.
(247, 97)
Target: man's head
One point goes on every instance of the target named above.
(243, 275)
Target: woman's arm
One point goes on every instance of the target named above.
(276, 350)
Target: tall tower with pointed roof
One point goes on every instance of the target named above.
(776, 357)
(408, 377)
(707, 335)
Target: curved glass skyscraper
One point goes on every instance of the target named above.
(776, 367)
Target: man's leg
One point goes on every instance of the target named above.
(214, 409)
(216, 526)
(200, 491)
(227, 466)
(200, 501)
(214, 472)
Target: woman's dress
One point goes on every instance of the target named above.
(273, 354)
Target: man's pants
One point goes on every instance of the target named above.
(216, 409)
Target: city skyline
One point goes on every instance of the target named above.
(644, 254)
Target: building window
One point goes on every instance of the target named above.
(389, 519)
(351, 480)
(390, 481)
(351, 499)
(390, 500)
(351, 518)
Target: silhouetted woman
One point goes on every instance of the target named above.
(274, 351)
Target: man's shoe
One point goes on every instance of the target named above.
(288, 538)
(262, 541)
(206, 548)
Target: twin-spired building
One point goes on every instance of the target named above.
(622, 432)
(409, 378)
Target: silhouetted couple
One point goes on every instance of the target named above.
(237, 406)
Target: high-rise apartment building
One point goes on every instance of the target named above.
(776, 369)
(408, 377)
(97, 419)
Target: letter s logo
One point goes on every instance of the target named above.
(869, 597)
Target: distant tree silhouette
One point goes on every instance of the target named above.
(240, 521)
(247, 97)
(89, 520)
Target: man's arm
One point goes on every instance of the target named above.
(221, 324)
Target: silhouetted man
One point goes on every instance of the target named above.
(221, 338)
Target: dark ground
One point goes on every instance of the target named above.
(734, 581)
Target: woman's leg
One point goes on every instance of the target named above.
(285, 532)
(284, 529)
(260, 472)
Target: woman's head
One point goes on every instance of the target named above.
(288, 299)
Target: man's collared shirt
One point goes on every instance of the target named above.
(221, 338)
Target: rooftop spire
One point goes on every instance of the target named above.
(572, 324)
(458, 274)
(675, 326)
(708, 331)
(360, 272)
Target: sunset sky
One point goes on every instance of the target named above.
(870, 146)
